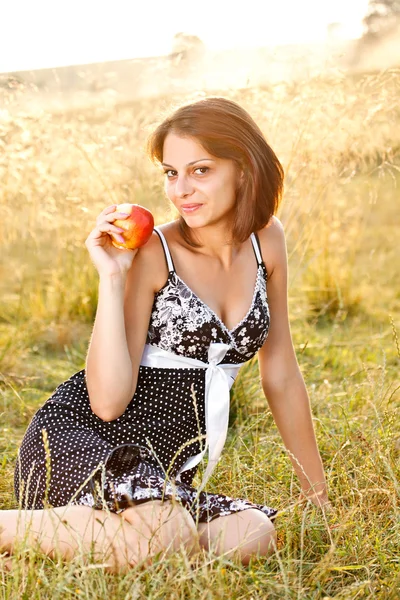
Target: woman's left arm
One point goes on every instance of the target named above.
(281, 378)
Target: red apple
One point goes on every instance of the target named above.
(138, 226)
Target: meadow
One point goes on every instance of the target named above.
(338, 138)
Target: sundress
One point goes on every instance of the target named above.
(178, 412)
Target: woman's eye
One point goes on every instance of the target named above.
(199, 170)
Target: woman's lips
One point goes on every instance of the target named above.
(189, 208)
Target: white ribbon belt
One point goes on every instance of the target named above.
(219, 380)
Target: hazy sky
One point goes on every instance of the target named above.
(50, 33)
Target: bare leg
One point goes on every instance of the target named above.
(243, 534)
(162, 527)
(117, 541)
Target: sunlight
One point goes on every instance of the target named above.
(48, 34)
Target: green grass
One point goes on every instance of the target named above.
(341, 215)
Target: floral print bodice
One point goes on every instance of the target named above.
(182, 323)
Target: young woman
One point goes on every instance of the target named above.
(107, 463)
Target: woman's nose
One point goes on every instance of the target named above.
(183, 187)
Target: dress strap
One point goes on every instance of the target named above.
(171, 267)
(167, 253)
(256, 248)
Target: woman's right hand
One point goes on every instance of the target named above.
(108, 259)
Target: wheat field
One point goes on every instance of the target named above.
(338, 138)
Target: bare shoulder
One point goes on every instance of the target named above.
(273, 244)
(150, 262)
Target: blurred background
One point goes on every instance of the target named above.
(83, 83)
(80, 53)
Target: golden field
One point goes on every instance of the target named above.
(338, 138)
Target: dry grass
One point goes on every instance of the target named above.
(339, 141)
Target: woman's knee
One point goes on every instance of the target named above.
(165, 525)
(259, 537)
(262, 534)
(244, 534)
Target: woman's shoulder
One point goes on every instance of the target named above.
(153, 249)
(274, 230)
(170, 230)
(273, 243)
(150, 258)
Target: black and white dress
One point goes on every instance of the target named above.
(179, 410)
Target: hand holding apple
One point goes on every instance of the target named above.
(138, 226)
(105, 241)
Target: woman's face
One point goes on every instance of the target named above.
(201, 186)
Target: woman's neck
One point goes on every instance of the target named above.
(216, 244)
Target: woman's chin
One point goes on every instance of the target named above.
(194, 221)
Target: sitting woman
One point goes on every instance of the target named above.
(107, 463)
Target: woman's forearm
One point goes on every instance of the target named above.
(108, 363)
(290, 408)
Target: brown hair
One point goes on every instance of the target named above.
(226, 130)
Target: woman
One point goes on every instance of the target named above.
(107, 463)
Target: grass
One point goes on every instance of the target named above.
(339, 141)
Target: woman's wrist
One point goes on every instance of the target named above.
(113, 280)
(317, 494)
(115, 276)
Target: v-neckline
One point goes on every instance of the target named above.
(214, 314)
